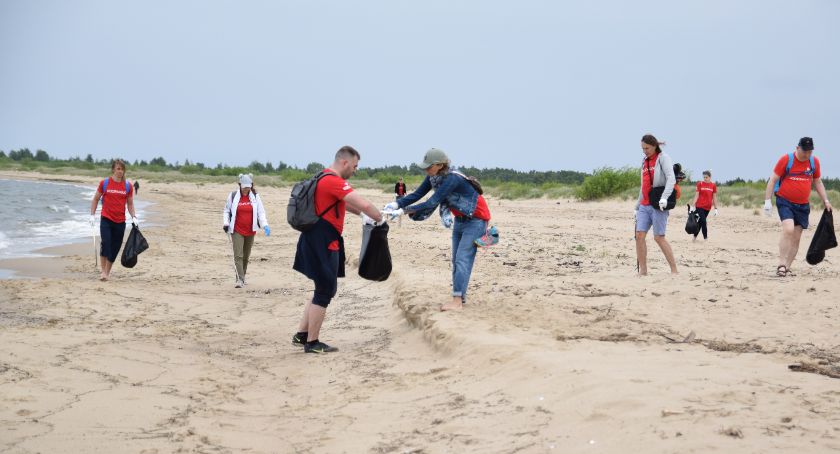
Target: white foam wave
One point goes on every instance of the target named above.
(61, 209)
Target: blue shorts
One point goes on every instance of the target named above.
(649, 216)
(796, 211)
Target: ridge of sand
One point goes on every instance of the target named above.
(560, 349)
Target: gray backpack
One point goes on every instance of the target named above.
(301, 209)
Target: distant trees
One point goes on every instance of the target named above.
(290, 172)
(314, 167)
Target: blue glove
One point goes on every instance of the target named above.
(267, 230)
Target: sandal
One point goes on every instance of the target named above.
(781, 271)
(790, 273)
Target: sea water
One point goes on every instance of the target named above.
(36, 214)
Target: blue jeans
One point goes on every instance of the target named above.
(464, 233)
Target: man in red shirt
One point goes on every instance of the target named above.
(320, 251)
(795, 174)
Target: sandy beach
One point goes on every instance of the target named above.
(562, 348)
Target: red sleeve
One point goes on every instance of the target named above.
(101, 188)
(337, 187)
(779, 170)
(697, 186)
(817, 165)
(714, 188)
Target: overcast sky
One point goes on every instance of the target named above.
(730, 85)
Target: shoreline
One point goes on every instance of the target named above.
(55, 261)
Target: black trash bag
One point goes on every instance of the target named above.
(824, 238)
(134, 245)
(375, 258)
(692, 225)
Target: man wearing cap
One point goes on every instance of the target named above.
(791, 182)
(243, 216)
(320, 251)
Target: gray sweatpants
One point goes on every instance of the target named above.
(242, 252)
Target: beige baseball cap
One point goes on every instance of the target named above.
(432, 157)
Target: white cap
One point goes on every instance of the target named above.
(245, 180)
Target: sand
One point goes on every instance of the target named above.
(562, 348)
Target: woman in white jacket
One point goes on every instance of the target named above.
(244, 214)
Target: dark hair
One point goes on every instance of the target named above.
(347, 152)
(651, 140)
(707, 172)
(115, 162)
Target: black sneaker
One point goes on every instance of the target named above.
(299, 340)
(318, 347)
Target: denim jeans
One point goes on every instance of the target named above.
(464, 234)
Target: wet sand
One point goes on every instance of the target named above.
(560, 349)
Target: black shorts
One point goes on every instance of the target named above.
(112, 234)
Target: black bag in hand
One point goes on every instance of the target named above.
(824, 238)
(375, 258)
(692, 225)
(133, 247)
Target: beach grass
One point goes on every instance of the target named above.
(604, 183)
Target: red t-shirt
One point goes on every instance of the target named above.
(114, 201)
(648, 169)
(705, 193)
(330, 189)
(244, 218)
(796, 188)
(482, 211)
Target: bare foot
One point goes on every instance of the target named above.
(452, 307)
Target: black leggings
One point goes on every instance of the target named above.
(703, 213)
(112, 237)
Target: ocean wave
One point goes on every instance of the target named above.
(4, 241)
(61, 209)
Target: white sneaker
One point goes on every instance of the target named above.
(239, 283)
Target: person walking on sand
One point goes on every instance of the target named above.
(791, 182)
(320, 251)
(242, 217)
(705, 200)
(136, 187)
(117, 194)
(399, 189)
(657, 172)
(456, 195)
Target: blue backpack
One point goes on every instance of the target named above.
(105, 188)
(787, 171)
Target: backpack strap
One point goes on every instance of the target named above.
(321, 175)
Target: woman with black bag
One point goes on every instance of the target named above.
(656, 197)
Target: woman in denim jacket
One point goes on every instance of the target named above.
(457, 199)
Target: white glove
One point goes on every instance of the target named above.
(662, 204)
(636, 213)
(93, 220)
(446, 219)
(393, 214)
(768, 207)
(367, 220)
(715, 213)
(135, 221)
(692, 209)
(393, 206)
